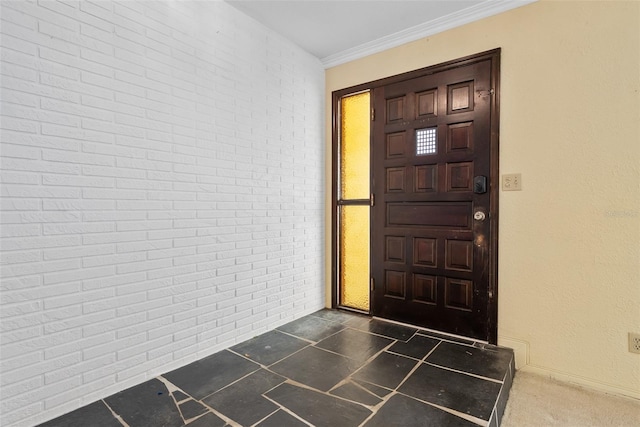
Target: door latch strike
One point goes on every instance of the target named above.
(372, 199)
(373, 284)
(373, 114)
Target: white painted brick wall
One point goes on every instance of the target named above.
(162, 193)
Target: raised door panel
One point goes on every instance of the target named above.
(427, 103)
(460, 98)
(395, 109)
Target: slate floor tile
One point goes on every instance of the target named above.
(387, 370)
(317, 408)
(493, 422)
(243, 401)
(503, 397)
(316, 368)
(380, 327)
(149, 403)
(191, 409)
(94, 415)
(179, 396)
(270, 347)
(474, 360)
(354, 344)
(208, 420)
(307, 358)
(446, 337)
(281, 418)
(357, 393)
(464, 393)
(208, 375)
(417, 347)
(337, 315)
(404, 411)
(312, 328)
(375, 389)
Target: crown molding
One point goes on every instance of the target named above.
(429, 28)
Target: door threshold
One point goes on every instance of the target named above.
(448, 334)
(422, 328)
(353, 310)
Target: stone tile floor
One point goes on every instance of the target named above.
(330, 368)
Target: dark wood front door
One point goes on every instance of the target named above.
(434, 219)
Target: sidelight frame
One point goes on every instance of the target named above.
(337, 201)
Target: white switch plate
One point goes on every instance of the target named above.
(512, 182)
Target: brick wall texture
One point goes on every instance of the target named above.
(162, 193)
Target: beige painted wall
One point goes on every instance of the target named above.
(569, 257)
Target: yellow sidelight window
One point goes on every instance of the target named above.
(353, 201)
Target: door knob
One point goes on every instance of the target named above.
(479, 216)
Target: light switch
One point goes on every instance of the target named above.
(512, 182)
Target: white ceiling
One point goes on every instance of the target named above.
(338, 31)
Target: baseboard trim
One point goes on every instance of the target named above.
(583, 382)
(523, 363)
(520, 349)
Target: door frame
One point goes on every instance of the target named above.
(494, 57)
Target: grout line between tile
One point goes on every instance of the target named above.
(370, 359)
(285, 409)
(349, 380)
(381, 335)
(326, 393)
(263, 366)
(221, 415)
(171, 388)
(330, 320)
(333, 334)
(431, 352)
(495, 406)
(388, 337)
(379, 386)
(360, 386)
(370, 407)
(267, 416)
(406, 377)
(386, 398)
(340, 384)
(311, 341)
(376, 408)
(337, 354)
(404, 355)
(295, 336)
(465, 373)
(459, 414)
(445, 339)
(373, 412)
(422, 359)
(232, 383)
(117, 416)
